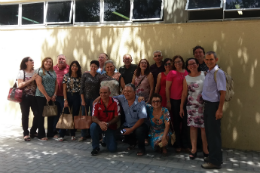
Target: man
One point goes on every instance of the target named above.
(213, 94)
(199, 54)
(135, 127)
(61, 69)
(103, 57)
(127, 71)
(105, 115)
(158, 66)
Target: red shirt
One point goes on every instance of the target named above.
(177, 83)
(107, 114)
(60, 73)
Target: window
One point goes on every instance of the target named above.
(235, 9)
(87, 11)
(116, 10)
(205, 9)
(147, 10)
(203, 4)
(32, 14)
(9, 14)
(59, 12)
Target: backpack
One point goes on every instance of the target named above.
(229, 85)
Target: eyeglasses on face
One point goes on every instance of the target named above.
(30, 59)
(192, 64)
(157, 56)
(156, 101)
(167, 64)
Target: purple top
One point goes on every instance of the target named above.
(210, 91)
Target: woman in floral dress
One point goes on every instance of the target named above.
(160, 123)
(192, 89)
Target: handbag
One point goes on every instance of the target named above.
(82, 121)
(15, 94)
(50, 110)
(65, 121)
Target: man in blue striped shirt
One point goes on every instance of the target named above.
(213, 94)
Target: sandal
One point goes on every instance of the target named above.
(55, 137)
(140, 153)
(178, 150)
(73, 138)
(81, 139)
(164, 151)
(27, 138)
(193, 155)
(131, 147)
(60, 139)
(43, 139)
(33, 135)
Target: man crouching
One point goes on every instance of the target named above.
(105, 115)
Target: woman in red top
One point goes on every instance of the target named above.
(161, 81)
(174, 83)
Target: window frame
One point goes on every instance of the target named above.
(240, 9)
(20, 17)
(199, 9)
(149, 19)
(46, 11)
(18, 20)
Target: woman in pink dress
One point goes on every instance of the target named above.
(143, 80)
(161, 81)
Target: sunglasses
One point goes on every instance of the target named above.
(167, 64)
(156, 101)
(157, 55)
(30, 60)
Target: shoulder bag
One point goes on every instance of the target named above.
(82, 121)
(15, 94)
(50, 110)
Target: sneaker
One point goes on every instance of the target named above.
(95, 152)
(210, 166)
(73, 138)
(60, 139)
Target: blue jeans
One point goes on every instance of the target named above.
(74, 102)
(89, 106)
(110, 140)
(60, 104)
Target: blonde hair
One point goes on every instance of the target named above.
(42, 66)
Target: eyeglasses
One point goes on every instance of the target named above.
(157, 55)
(143, 62)
(30, 59)
(100, 57)
(167, 64)
(156, 101)
(177, 62)
(191, 64)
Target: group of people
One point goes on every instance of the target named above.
(141, 101)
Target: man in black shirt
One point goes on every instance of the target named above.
(199, 54)
(127, 71)
(158, 66)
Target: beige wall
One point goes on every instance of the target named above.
(236, 43)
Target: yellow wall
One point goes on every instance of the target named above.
(236, 43)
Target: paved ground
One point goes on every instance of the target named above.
(71, 156)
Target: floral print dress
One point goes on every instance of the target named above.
(195, 107)
(157, 125)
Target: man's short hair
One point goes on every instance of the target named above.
(212, 52)
(106, 87)
(106, 55)
(198, 47)
(131, 85)
(61, 55)
(157, 51)
(129, 55)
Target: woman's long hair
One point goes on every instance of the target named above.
(138, 69)
(79, 73)
(23, 65)
(42, 66)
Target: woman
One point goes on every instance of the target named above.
(47, 87)
(26, 82)
(143, 80)
(160, 123)
(89, 91)
(174, 82)
(192, 89)
(161, 80)
(71, 93)
(112, 79)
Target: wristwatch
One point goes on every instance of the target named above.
(107, 124)
(65, 99)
